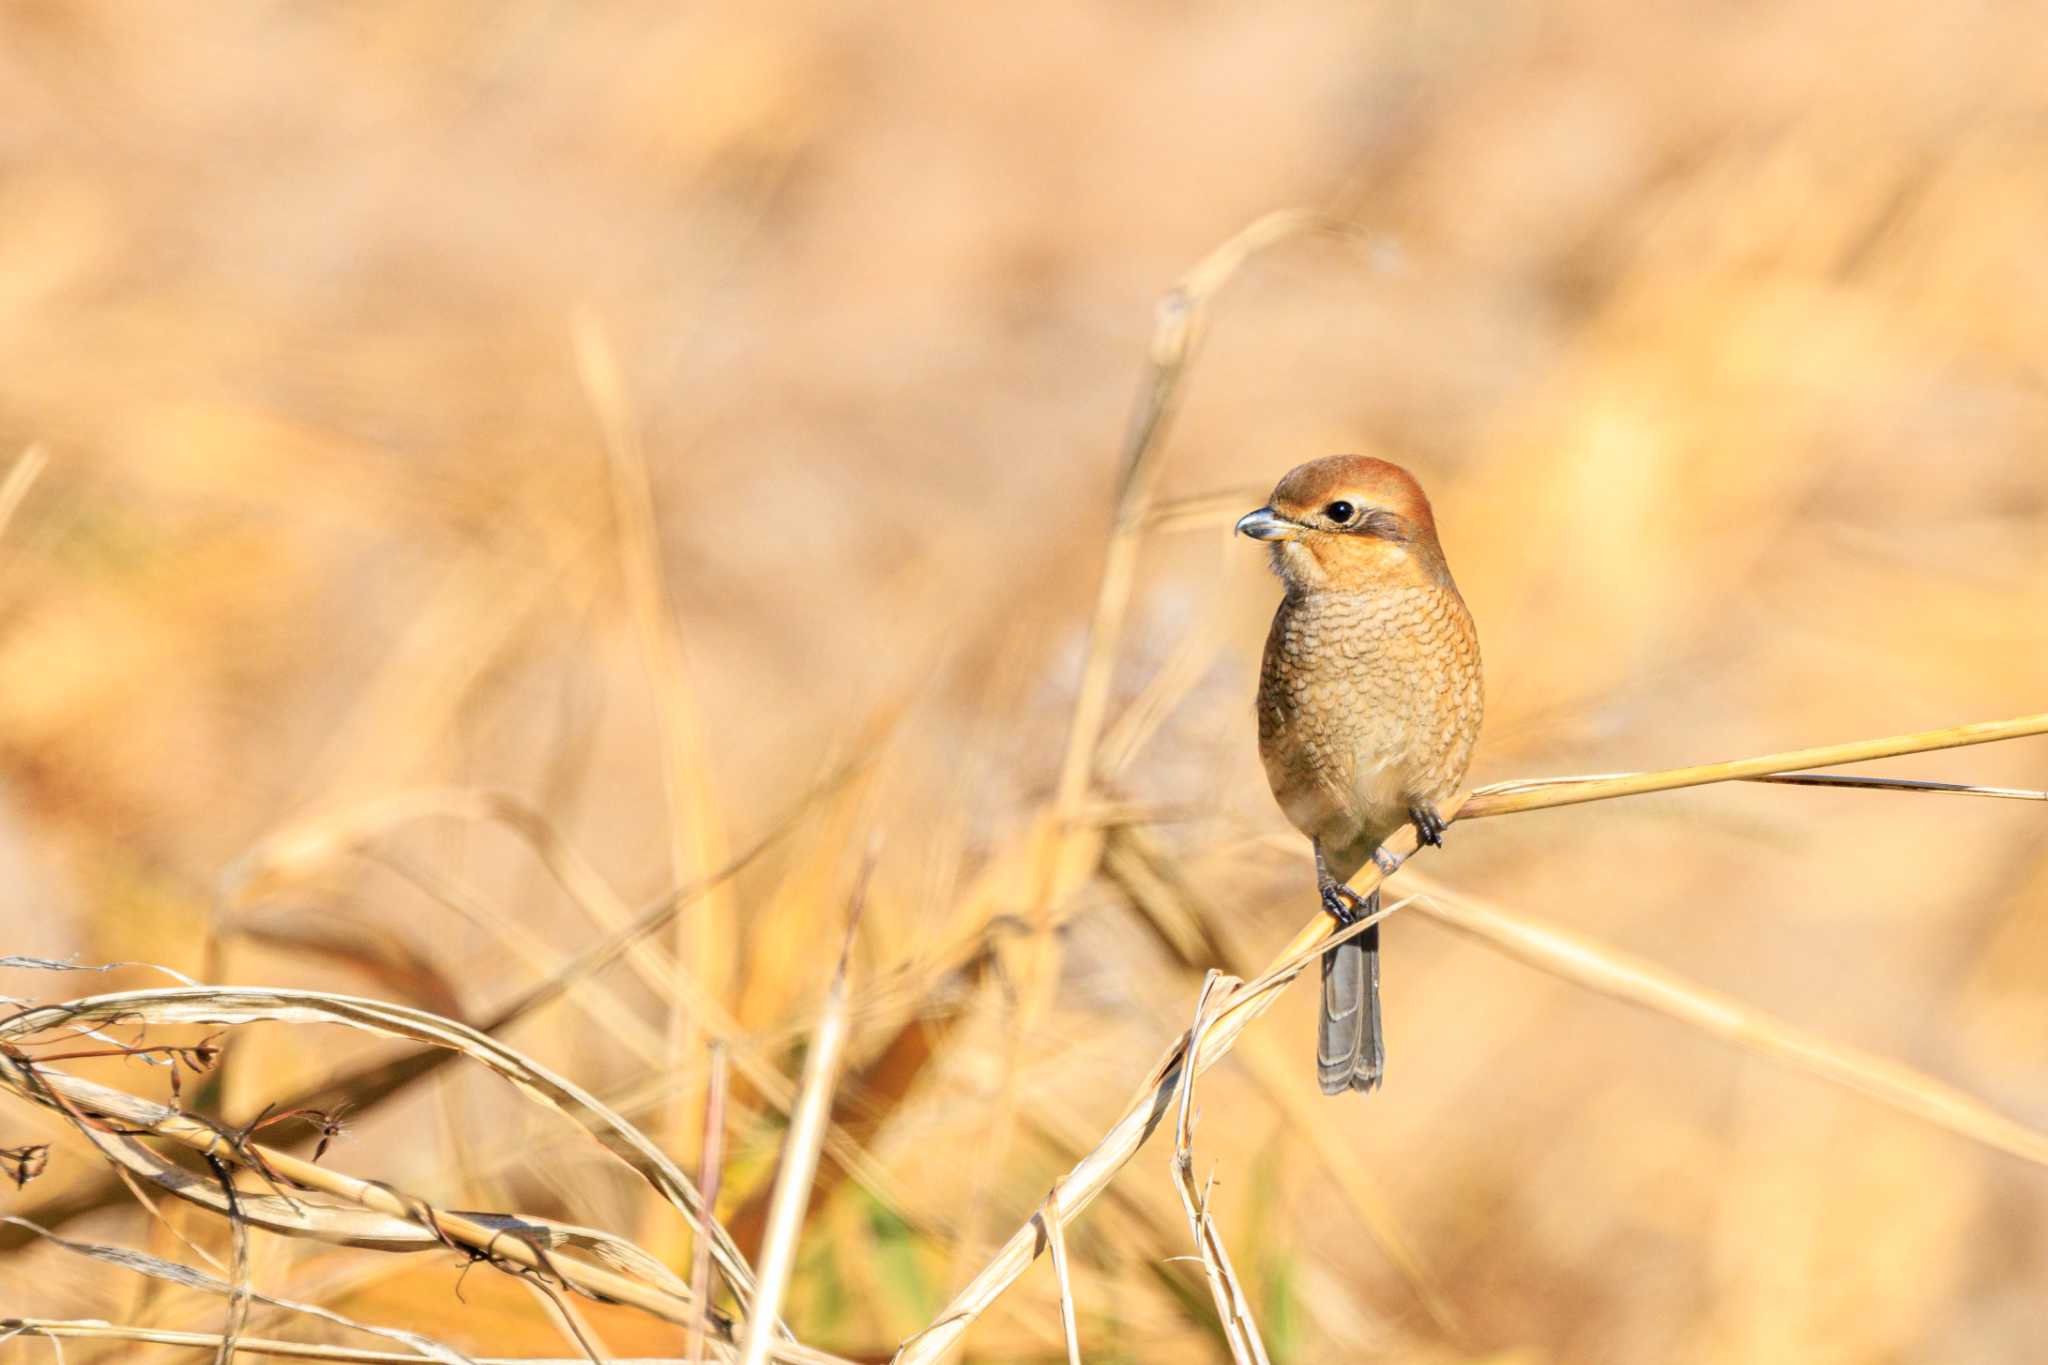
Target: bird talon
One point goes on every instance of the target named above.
(1429, 826)
(1342, 904)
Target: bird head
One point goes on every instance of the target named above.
(1348, 522)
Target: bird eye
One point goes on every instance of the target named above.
(1339, 512)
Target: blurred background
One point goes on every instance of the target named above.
(653, 412)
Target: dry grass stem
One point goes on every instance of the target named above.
(695, 828)
(1507, 798)
(1611, 972)
(57, 1330)
(170, 1272)
(1056, 1241)
(234, 1007)
(522, 1243)
(496, 1242)
(238, 1284)
(708, 1175)
(1181, 319)
(1233, 1310)
(799, 1165)
(1278, 1074)
(1203, 511)
(1900, 784)
(309, 846)
(568, 1321)
(21, 476)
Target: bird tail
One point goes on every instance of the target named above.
(1350, 1054)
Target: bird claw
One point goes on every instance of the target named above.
(1429, 826)
(1342, 904)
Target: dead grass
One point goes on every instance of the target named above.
(463, 508)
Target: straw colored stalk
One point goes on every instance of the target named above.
(1054, 1228)
(491, 1240)
(708, 1176)
(239, 1005)
(57, 1329)
(697, 838)
(69, 1091)
(309, 846)
(21, 475)
(1233, 1309)
(380, 1216)
(1092, 1174)
(800, 1146)
(1507, 798)
(1610, 972)
(1176, 336)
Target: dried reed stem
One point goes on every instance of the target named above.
(377, 1196)
(696, 834)
(1900, 784)
(1507, 798)
(1233, 1310)
(1176, 336)
(1610, 972)
(806, 1135)
(708, 1176)
(58, 1329)
(55, 1330)
(491, 1241)
(21, 476)
(1056, 1240)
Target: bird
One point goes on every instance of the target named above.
(1369, 704)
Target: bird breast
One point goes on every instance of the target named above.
(1369, 702)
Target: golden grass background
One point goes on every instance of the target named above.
(647, 411)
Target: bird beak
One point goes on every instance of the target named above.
(1266, 524)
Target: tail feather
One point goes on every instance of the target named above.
(1350, 1052)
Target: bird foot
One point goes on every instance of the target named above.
(1344, 905)
(1429, 826)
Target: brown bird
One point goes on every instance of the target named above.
(1369, 704)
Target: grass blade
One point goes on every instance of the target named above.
(708, 1176)
(1613, 973)
(800, 1148)
(1508, 798)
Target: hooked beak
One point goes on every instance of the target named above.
(1266, 524)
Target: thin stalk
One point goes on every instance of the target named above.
(1508, 798)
